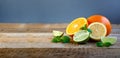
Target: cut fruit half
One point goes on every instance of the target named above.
(57, 33)
(98, 30)
(112, 40)
(75, 25)
(81, 36)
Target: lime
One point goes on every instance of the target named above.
(81, 37)
(57, 33)
(112, 40)
(65, 39)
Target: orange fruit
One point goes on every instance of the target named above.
(75, 25)
(101, 19)
(98, 30)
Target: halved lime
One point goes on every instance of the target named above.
(112, 40)
(82, 36)
(57, 33)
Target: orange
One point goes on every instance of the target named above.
(101, 19)
(75, 25)
(98, 30)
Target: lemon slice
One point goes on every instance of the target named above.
(98, 30)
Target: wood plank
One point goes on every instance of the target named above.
(16, 45)
(15, 27)
(41, 40)
(34, 41)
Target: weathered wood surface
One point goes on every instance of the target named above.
(34, 41)
(15, 27)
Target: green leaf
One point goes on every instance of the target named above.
(99, 44)
(107, 44)
(84, 27)
(56, 39)
(65, 39)
(89, 30)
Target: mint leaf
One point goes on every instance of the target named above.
(89, 30)
(99, 44)
(56, 39)
(65, 39)
(107, 44)
(84, 27)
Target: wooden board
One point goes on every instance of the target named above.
(34, 41)
(39, 45)
(41, 40)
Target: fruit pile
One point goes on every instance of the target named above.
(80, 30)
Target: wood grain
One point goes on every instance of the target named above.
(34, 41)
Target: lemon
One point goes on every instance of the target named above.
(98, 30)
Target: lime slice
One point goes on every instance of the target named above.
(82, 36)
(57, 33)
(112, 40)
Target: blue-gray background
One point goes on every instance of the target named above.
(56, 11)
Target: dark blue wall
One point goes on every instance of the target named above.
(56, 11)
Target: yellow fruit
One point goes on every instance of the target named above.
(75, 25)
(98, 30)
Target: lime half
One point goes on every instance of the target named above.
(82, 36)
(112, 40)
(57, 33)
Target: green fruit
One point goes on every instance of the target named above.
(112, 40)
(57, 33)
(81, 37)
(56, 39)
(65, 39)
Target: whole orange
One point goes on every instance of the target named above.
(101, 19)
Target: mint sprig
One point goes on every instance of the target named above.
(85, 28)
(101, 44)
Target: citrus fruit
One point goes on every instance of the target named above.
(57, 33)
(98, 30)
(75, 25)
(112, 40)
(65, 39)
(81, 36)
(101, 19)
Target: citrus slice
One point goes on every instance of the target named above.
(57, 33)
(98, 30)
(81, 36)
(75, 25)
(112, 40)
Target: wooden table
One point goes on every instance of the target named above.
(34, 41)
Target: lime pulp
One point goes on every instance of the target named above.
(82, 36)
(112, 40)
(57, 33)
